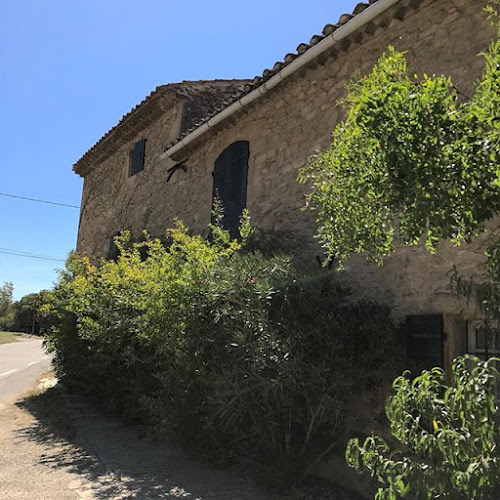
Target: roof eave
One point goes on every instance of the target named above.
(353, 25)
(95, 154)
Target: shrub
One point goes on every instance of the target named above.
(449, 436)
(225, 349)
(7, 322)
(413, 162)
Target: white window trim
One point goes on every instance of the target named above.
(475, 351)
(471, 340)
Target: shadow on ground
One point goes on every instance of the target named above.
(54, 421)
(111, 461)
(54, 427)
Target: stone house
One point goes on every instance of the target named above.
(243, 140)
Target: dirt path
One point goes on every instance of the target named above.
(54, 447)
(50, 451)
(29, 457)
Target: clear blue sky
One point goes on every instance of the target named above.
(69, 69)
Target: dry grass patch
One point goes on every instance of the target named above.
(8, 337)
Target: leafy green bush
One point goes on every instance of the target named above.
(449, 436)
(223, 348)
(412, 162)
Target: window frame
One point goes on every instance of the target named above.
(133, 153)
(472, 341)
(484, 354)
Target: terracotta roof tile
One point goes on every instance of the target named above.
(360, 8)
(201, 98)
(205, 102)
(301, 49)
(316, 39)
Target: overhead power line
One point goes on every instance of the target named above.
(39, 201)
(8, 251)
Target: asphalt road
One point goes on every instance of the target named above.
(21, 364)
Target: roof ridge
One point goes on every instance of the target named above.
(244, 86)
(173, 88)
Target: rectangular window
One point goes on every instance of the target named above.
(137, 155)
(426, 340)
(485, 343)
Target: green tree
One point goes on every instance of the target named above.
(448, 436)
(27, 316)
(412, 162)
(6, 301)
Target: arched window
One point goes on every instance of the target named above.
(230, 183)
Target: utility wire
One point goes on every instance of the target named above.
(8, 251)
(38, 201)
(25, 253)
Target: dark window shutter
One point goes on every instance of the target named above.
(113, 252)
(137, 157)
(426, 340)
(230, 183)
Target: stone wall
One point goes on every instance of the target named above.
(284, 128)
(295, 121)
(112, 200)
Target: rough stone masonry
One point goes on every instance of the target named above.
(284, 128)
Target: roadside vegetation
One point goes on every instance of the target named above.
(6, 303)
(8, 337)
(22, 315)
(230, 352)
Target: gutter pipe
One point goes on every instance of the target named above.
(338, 35)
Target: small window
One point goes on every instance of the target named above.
(426, 340)
(137, 155)
(485, 343)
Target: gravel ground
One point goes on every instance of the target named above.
(53, 447)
